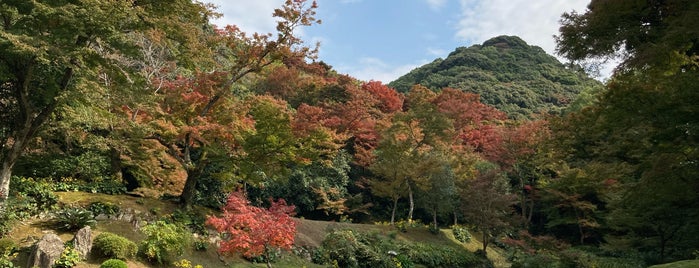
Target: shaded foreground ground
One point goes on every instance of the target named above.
(310, 233)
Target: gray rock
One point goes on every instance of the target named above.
(46, 251)
(82, 241)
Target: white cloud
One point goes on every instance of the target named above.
(250, 16)
(436, 4)
(369, 68)
(534, 21)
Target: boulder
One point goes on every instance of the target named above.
(82, 241)
(46, 251)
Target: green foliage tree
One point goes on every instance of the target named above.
(405, 158)
(51, 49)
(487, 203)
(650, 36)
(318, 190)
(440, 195)
(643, 127)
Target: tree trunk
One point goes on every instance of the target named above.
(393, 213)
(267, 258)
(8, 161)
(486, 241)
(5, 175)
(434, 217)
(523, 202)
(456, 219)
(412, 203)
(190, 188)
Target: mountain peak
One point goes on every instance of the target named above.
(507, 73)
(506, 41)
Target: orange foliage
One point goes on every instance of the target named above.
(252, 230)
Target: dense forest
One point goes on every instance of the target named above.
(518, 79)
(150, 98)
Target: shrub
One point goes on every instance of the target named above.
(113, 263)
(102, 208)
(69, 258)
(440, 256)
(70, 219)
(347, 248)
(184, 263)
(38, 194)
(7, 247)
(461, 233)
(163, 241)
(5, 262)
(434, 229)
(201, 245)
(114, 246)
(7, 219)
(110, 187)
(194, 220)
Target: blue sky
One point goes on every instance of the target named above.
(384, 39)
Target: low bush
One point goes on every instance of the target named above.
(7, 247)
(184, 263)
(69, 258)
(348, 248)
(102, 208)
(38, 194)
(461, 233)
(5, 262)
(201, 245)
(163, 241)
(70, 219)
(440, 255)
(113, 263)
(7, 219)
(193, 220)
(114, 246)
(110, 187)
(434, 229)
(7, 250)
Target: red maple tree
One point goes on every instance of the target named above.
(254, 231)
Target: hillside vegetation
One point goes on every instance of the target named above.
(507, 73)
(149, 104)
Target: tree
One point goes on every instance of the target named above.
(367, 109)
(574, 199)
(651, 36)
(206, 96)
(52, 48)
(525, 156)
(252, 230)
(318, 190)
(440, 197)
(642, 128)
(486, 204)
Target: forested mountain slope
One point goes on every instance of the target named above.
(509, 74)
